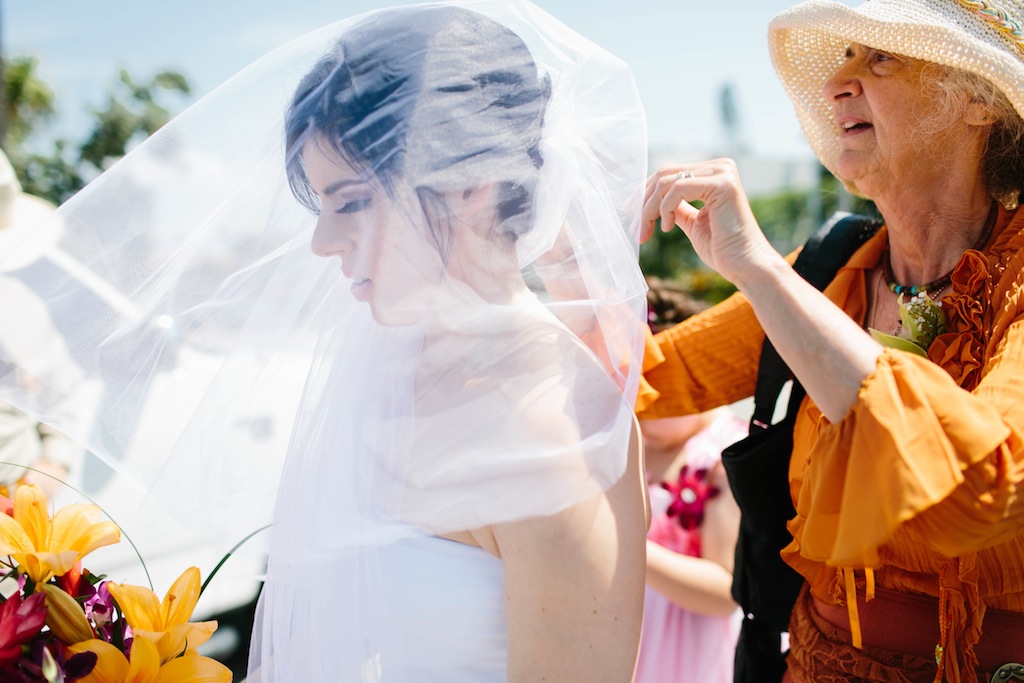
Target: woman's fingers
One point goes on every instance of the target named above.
(665, 191)
(723, 232)
(669, 191)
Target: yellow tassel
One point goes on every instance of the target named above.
(851, 607)
(869, 589)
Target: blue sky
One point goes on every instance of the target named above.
(681, 52)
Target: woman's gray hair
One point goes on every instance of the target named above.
(1003, 161)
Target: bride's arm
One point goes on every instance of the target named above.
(574, 586)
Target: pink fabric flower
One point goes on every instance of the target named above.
(690, 494)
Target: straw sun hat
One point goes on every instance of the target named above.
(808, 44)
(25, 234)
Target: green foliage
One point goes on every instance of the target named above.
(787, 218)
(28, 101)
(670, 256)
(53, 177)
(704, 284)
(132, 113)
(667, 253)
(133, 110)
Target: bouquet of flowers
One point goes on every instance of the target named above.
(60, 623)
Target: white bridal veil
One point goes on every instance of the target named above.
(467, 354)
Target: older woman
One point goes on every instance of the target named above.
(905, 468)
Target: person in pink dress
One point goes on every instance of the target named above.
(691, 621)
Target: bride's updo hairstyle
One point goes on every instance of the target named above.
(439, 98)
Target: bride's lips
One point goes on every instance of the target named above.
(361, 288)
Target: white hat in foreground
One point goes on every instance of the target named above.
(25, 232)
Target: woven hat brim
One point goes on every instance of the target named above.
(808, 44)
(34, 230)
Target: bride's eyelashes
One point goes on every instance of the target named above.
(355, 205)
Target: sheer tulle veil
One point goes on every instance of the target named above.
(471, 358)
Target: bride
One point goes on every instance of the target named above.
(506, 537)
(462, 497)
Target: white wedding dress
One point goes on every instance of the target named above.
(428, 610)
(447, 606)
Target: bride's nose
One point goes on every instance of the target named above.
(330, 238)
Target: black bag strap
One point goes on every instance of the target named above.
(824, 253)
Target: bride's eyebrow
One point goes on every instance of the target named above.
(341, 184)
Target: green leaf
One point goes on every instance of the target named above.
(897, 343)
(228, 555)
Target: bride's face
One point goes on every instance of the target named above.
(384, 250)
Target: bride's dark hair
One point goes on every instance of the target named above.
(441, 97)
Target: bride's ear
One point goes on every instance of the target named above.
(473, 203)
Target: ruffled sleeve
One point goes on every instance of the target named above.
(646, 394)
(915, 445)
(708, 360)
(933, 443)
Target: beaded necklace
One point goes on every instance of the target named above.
(940, 283)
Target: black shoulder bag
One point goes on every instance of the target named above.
(758, 471)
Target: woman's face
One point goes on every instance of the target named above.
(879, 101)
(384, 250)
(665, 437)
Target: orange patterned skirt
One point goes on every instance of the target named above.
(900, 633)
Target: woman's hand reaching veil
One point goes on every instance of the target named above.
(723, 231)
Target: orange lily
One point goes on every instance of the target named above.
(143, 665)
(165, 622)
(45, 547)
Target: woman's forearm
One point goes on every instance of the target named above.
(693, 583)
(828, 352)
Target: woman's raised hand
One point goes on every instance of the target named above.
(723, 232)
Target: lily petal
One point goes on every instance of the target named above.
(144, 662)
(181, 599)
(41, 566)
(194, 669)
(184, 638)
(13, 538)
(111, 664)
(30, 512)
(77, 527)
(140, 606)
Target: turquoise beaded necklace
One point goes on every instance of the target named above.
(937, 284)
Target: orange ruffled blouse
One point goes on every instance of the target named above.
(918, 484)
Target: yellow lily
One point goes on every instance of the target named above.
(65, 616)
(45, 547)
(165, 622)
(143, 665)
